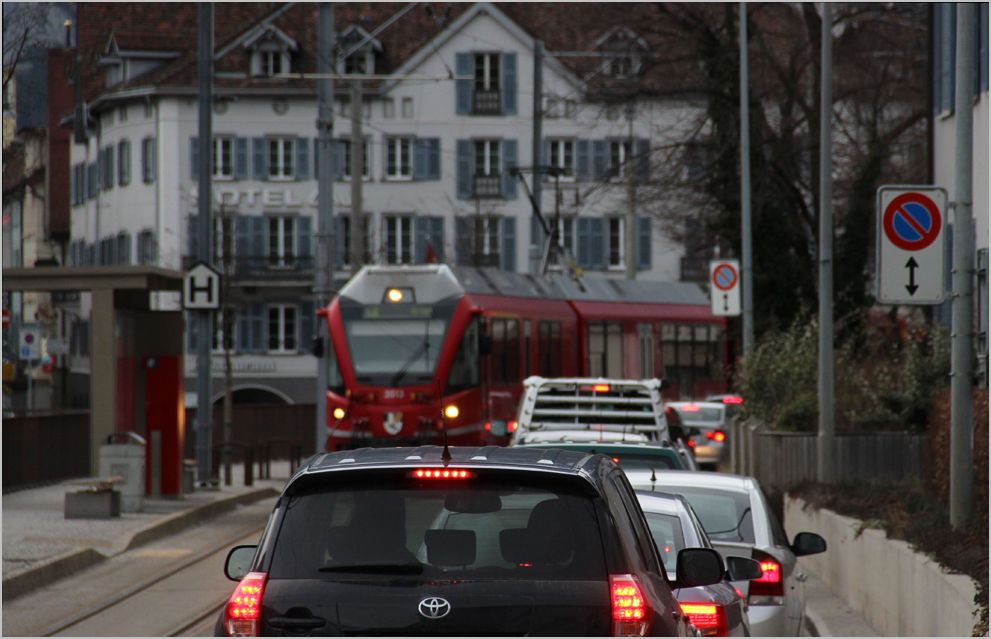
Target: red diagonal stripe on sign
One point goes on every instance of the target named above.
(913, 223)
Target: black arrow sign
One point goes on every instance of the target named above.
(911, 265)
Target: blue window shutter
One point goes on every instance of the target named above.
(72, 186)
(259, 164)
(192, 235)
(642, 153)
(339, 159)
(302, 159)
(464, 241)
(509, 84)
(433, 158)
(421, 159)
(600, 160)
(241, 158)
(436, 231)
(509, 244)
(643, 242)
(462, 67)
(259, 232)
(597, 242)
(545, 154)
(307, 318)
(194, 157)
(464, 169)
(242, 239)
(428, 231)
(305, 230)
(583, 229)
(108, 175)
(509, 162)
(420, 239)
(244, 329)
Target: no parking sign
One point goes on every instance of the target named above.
(724, 283)
(910, 244)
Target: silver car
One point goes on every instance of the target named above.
(707, 428)
(736, 517)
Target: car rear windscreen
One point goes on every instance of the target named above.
(439, 529)
(725, 514)
(703, 414)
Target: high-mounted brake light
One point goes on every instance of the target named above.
(733, 399)
(715, 435)
(629, 608)
(689, 408)
(441, 473)
(709, 618)
(242, 615)
(769, 588)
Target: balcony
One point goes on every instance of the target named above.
(265, 267)
(486, 186)
(487, 102)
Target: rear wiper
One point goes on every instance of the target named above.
(403, 569)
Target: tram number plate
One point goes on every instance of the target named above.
(394, 393)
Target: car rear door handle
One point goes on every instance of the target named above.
(801, 576)
(297, 623)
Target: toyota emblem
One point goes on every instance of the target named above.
(435, 607)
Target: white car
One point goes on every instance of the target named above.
(739, 523)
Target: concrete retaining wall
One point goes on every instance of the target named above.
(898, 591)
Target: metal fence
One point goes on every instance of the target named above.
(779, 459)
(45, 447)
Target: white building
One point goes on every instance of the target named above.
(435, 177)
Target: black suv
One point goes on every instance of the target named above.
(475, 541)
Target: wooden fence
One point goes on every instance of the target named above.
(781, 459)
(45, 447)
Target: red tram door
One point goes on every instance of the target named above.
(164, 424)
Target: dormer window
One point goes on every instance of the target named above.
(624, 51)
(125, 58)
(362, 60)
(270, 51)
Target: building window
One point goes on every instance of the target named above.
(566, 233)
(107, 168)
(223, 158)
(122, 115)
(617, 242)
(146, 247)
(281, 241)
(549, 350)
(366, 160)
(487, 241)
(398, 239)
(148, 160)
(622, 66)
(407, 108)
(280, 158)
(620, 156)
(488, 172)
(357, 63)
(399, 165)
(345, 257)
(505, 351)
(605, 349)
(486, 84)
(124, 162)
(271, 62)
(563, 157)
(219, 344)
(281, 328)
(388, 108)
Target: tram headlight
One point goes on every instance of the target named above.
(451, 411)
(339, 413)
(394, 295)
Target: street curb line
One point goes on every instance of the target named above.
(52, 570)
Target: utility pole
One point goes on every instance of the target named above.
(745, 230)
(204, 407)
(538, 132)
(227, 246)
(357, 247)
(630, 236)
(961, 356)
(323, 286)
(824, 445)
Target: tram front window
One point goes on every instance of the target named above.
(395, 352)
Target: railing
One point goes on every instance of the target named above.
(488, 186)
(487, 102)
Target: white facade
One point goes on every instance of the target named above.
(414, 108)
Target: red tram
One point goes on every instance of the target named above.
(417, 349)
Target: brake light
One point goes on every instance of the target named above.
(769, 588)
(715, 435)
(488, 426)
(733, 400)
(629, 609)
(242, 615)
(616, 459)
(691, 443)
(511, 426)
(689, 408)
(709, 618)
(441, 473)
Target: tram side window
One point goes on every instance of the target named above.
(464, 368)
(505, 351)
(605, 349)
(549, 349)
(691, 354)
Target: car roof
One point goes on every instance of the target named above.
(723, 481)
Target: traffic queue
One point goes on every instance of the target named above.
(595, 520)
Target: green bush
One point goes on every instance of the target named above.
(880, 383)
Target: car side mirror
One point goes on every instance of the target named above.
(807, 543)
(239, 561)
(742, 569)
(698, 567)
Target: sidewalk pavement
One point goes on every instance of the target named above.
(41, 546)
(826, 615)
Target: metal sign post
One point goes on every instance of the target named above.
(910, 244)
(724, 280)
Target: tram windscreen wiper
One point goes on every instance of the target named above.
(423, 348)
